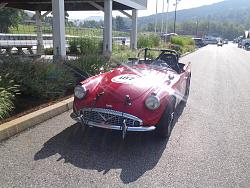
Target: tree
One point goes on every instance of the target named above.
(150, 27)
(120, 23)
(92, 24)
(9, 17)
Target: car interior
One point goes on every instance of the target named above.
(166, 59)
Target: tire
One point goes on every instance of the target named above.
(247, 47)
(164, 128)
(186, 95)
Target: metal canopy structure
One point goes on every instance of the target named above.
(58, 8)
(75, 5)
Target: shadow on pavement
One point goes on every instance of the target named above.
(103, 150)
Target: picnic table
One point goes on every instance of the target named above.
(6, 47)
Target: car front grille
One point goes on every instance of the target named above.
(110, 117)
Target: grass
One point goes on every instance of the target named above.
(182, 44)
(40, 79)
(148, 40)
(75, 31)
(182, 40)
(8, 91)
(23, 29)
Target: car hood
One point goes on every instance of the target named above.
(132, 81)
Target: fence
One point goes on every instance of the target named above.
(23, 40)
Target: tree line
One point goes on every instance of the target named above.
(201, 28)
(229, 29)
(10, 17)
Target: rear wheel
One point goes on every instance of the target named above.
(164, 128)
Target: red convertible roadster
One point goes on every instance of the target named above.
(141, 95)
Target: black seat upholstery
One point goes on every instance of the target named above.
(171, 60)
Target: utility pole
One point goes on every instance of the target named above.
(162, 16)
(176, 2)
(208, 27)
(156, 10)
(197, 26)
(167, 17)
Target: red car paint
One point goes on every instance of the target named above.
(138, 81)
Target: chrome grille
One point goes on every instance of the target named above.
(110, 117)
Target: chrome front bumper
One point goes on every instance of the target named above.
(80, 119)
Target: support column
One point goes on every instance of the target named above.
(59, 42)
(107, 40)
(39, 33)
(133, 37)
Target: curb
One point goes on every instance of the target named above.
(20, 124)
(183, 55)
(187, 53)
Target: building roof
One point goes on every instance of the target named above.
(74, 5)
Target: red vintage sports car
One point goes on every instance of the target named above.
(141, 95)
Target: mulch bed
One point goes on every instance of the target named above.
(29, 105)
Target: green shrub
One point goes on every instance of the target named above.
(44, 80)
(48, 51)
(182, 44)
(182, 40)
(148, 41)
(85, 46)
(91, 64)
(73, 46)
(122, 56)
(188, 48)
(8, 90)
(118, 47)
(176, 47)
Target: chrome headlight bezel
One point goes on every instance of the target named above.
(80, 91)
(152, 102)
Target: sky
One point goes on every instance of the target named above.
(183, 4)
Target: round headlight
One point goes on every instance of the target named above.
(80, 92)
(152, 102)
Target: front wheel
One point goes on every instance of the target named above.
(164, 128)
(187, 89)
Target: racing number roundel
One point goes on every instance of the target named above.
(125, 79)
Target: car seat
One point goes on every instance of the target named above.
(171, 60)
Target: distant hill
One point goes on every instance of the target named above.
(232, 11)
(94, 18)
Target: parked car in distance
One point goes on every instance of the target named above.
(225, 41)
(141, 95)
(199, 42)
(240, 43)
(245, 43)
(210, 40)
(167, 37)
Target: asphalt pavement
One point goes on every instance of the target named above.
(209, 145)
